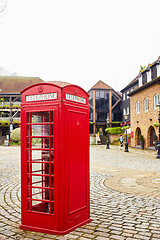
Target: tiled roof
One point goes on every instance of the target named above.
(100, 85)
(59, 83)
(134, 81)
(141, 71)
(15, 84)
(138, 89)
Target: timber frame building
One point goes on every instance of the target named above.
(105, 103)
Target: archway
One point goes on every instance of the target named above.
(151, 136)
(137, 134)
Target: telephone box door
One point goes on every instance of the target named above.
(77, 152)
(40, 163)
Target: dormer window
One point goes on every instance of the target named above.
(158, 69)
(140, 80)
(149, 75)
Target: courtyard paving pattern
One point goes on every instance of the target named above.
(125, 196)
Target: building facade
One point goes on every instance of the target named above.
(10, 102)
(143, 104)
(126, 99)
(105, 103)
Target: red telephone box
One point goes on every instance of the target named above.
(54, 158)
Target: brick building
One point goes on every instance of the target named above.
(143, 106)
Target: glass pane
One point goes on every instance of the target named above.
(40, 206)
(52, 169)
(51, 116)
(52, 195)
(40, 155)
(51, 142)
(52, 207)
(40, 168)
(41, 194)
(27, 142)
(51, 130)
(28, 180)
(28, 155)
(40, 181)
(97, 94)
(28, 167)
(52, 156)
(28, 205)
(39, 117)
(37, 181)
(40, 143)
(52, 182)
(40, 130)
(101, 94)
(27, 117)
(28, 130)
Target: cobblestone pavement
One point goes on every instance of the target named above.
(125, 196)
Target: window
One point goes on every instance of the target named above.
(140, 81)
(101, 105)
(97, 94)
(127, 95)
(149, 76)
(156, 100)
(91, 98)
(127, 110)
(124, 111)
(158, 70)
(90, 114)
(137, 107)
(124, 97)
(146, 106)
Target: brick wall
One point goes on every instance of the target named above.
(144, 120)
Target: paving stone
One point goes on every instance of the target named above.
(90, 236)
(142, 237)
(102, 238)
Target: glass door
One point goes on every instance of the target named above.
(40, 162)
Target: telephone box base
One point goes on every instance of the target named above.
(55, 232)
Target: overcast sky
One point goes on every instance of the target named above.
(80, 41)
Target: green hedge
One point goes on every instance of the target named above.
(15, 135)
(114, 130)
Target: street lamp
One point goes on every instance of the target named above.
(107, 142)
(158, 146)
(126, 143)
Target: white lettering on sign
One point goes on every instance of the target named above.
(74, 98)
(41, 97)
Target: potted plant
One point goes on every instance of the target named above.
(156, 141)
(5, 122)
(141, 139)
(156, 124)
(6, 106)
(2, 101)
(15, 107)
(16, 122)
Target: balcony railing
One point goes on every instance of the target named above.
(8, 103)
(8, 119)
